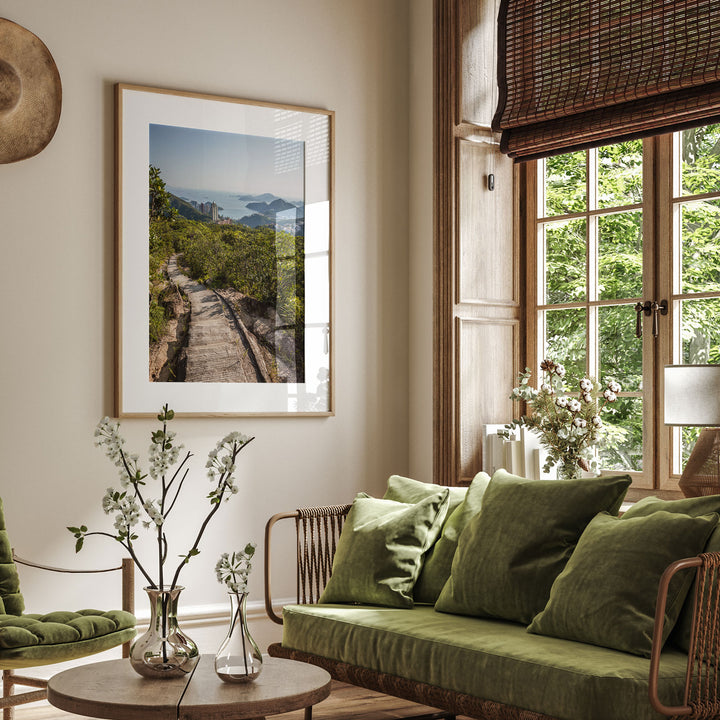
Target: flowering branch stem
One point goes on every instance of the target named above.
(128, 546)
(217, 501)
(175, 474)
(177, 494)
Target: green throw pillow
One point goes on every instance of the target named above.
(380, 550)
(695, 507)
(606, 594)
(511, 552)
(406, 490)
(436, 569)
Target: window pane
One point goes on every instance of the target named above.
(621, 447)
(620, 271)
(565, 259)
(689, 436)
(700, 249)
(700, 150)
(620, 350)
(700, 331)
(620, 174)
(565, 177)
(565, 341)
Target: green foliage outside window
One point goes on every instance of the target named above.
(616, 183)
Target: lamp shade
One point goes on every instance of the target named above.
(692, 395)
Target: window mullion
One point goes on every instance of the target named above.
(663, 267)
(591, 224)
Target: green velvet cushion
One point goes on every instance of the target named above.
(11, 601)
(607, 592)
(511, 552)
(61, 627)
(406, 490)
(695, 507)
(438, 561)
(488, 659)
(379, 553)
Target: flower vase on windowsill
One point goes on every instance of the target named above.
(568, 426)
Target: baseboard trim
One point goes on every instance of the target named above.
(212, 613)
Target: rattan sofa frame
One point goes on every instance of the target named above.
(317, 531)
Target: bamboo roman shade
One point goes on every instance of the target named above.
(579, 73)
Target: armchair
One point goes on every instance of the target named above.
(31, 640)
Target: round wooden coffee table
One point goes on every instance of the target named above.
(112, 689)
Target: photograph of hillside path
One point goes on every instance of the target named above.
(226, 257)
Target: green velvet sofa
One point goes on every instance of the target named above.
(512, 598)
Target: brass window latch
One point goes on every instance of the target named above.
(650, 307)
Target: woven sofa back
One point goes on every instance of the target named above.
(11, 601)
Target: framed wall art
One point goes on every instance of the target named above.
(224, 255)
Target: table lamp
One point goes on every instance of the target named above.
(692, 397)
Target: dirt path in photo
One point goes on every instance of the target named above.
(219, 348)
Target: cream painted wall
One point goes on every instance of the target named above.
(369, 61)
(420, 361)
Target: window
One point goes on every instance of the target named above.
(615, 229)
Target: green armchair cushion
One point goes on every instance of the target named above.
(29, 640)
(694, 506)
(607, 592)
(380, 550)
(438, 561)
(11, 600)
(61, 627)
(510, 553)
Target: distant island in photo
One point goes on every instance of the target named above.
(227, 208)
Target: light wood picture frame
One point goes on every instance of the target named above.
(224, 255)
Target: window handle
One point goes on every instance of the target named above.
(650, 307)
(641, 308)
(661, 308)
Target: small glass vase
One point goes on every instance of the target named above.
(163, 651)
(570, 470)
(239, 659)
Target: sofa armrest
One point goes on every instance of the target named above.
(702, 698)
(316, 531)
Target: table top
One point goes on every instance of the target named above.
(113, 690)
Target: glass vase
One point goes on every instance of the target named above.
(568, 470)
(163, 651)
(239, 659)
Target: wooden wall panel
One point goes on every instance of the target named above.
(487, 269)
(478, 92)
(477, 293)
(485, 364)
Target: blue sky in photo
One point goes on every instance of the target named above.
(228, 162)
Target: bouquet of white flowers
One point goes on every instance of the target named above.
(568, 425)
(233, 569)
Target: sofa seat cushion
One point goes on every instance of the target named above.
(29, 640)
(489, 659)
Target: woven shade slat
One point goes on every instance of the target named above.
(580, 73)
